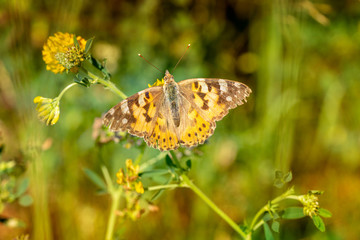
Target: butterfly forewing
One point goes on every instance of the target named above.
(136, 114)
(209, 101)
(214, 97)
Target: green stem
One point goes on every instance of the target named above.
(160, 187)
(212, 205)
(115, 201)
(176, 160)
(112, 87)
(152, 161)
(255, 224)
(140, 156)
(65, 89)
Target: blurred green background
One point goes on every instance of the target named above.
(300, 58)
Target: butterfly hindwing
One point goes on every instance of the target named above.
(163, 135)
(194, 129)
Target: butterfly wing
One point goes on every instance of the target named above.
(136, 114)
(206, 101)
(145, 114)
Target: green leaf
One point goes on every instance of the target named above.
(319, 223)
(188, 164)
(169, 162)
(279, 174)
(88, 44)
(288, 177)
(278, 183)
(275, 226)
(23, 185)
(25, 200)
(268, 233)
(275, 215)
(95, 178)
(267, 217)
(293, 213)
(324, 213)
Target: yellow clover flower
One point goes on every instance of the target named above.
(60, 53)
(311, 204)
(130, 179)
(48, 109)
(157, 83)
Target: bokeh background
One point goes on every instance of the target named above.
(301, 59)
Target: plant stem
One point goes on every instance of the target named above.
(115, 201)
(212, 205)
(254, 223)
(152, 161)
(186, 182)
(65, 89)
(160, 187)
(112, 87)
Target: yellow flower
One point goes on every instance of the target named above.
(120, 177)
(311, 204)
(48, 109)
(132, 170)
(139, 188)
(130, 179)
(60, 53)
(157, 83)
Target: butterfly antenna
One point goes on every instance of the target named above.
(181, 57)
(149, 62)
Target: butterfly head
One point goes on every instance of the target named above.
(168, 77)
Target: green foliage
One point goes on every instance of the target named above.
(319, 223)
(293, 213)
(268, 233)
(95, 178)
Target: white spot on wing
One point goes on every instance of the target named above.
(124, 107)
(124, 121)
(111, 111)
(237, 85)
(228, 98)
(223, 85)
(141, 99)
(204, 87)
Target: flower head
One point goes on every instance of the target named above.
(48, 109)
(130, 179)
(61, 53)
(311, 204)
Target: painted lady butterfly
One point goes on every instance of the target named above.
(177, 114)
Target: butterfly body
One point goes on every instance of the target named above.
(177, 114)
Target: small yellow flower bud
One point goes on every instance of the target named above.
(48, 109)
(139, 188)
(120, 177)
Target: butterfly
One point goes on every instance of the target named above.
(175, 114)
